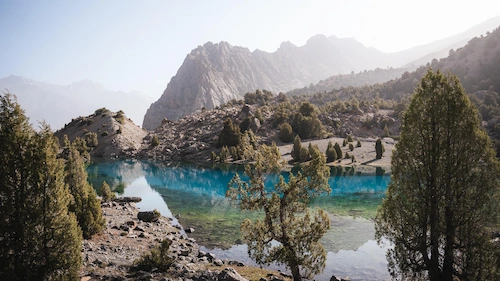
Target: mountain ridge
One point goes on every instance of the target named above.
(213, 74)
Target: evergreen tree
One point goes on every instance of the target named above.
(40, 239)
(358, 144)
(258, 115)
(230, 134)
(106, 193)
(224, 154)
(379, 149)
(297, 145)
(331, 154)
(85, 204)
(286, 133)
(287, 217)
(338, 150)
(443, 190)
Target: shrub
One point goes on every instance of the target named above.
(120, 117)
(331, 154)
(350, 139)
(286, 133)
(157, 259)
(297, 145)
(304, 154)
(347, 156)
(386, 133)
(100, 111)
(224, 154)
(379, 148)
(338, 150)
(358, 144)
(258, 115)
(155, 141)
(106, 193)
(105, 133)
(351, 147)
(230, 134)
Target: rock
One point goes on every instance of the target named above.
(131, 224)
(230, 274)
(190, 230)
(255, 125)
(139, 228)
(143, 235)
(127, 199)
(334, 278)
(147, 216)
(218, 262)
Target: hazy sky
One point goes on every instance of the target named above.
(139, 45)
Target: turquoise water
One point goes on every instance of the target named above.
(195, 195)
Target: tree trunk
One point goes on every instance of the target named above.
(296, 272)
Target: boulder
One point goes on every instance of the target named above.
(127, 199)
(147, 216)
(230, 274)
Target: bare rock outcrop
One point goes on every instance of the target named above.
(213, 74)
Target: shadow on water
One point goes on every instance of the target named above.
(195, 194)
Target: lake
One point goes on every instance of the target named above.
(195, 195)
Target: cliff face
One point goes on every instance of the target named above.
(213, 74)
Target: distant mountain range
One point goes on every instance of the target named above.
(213, 74)
(58, 104)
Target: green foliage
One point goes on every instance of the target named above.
(379, 149)
(307, 109)
(101, 111)
(304, 154)
(155, 141)
(286, 133)
(338, 150)
(158, 258)
(230, 134)
(105, 133)
(40, 238)
(344, 143)
(259, 97)
(350, 139)
(224, 154)
(106, 193)
(307, 126)
(443, 191)
(287, 217)
(297, 145)
(347, 156)
(245, 124)
(258, 115)
(120, 117)
(91, 140)
(213, 157)
(331, 154)
(85, 204)
(351, 147)
(358, 144)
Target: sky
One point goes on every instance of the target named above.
(139, 45)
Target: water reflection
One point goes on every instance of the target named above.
(196, 195)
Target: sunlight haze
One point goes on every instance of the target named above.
(139, 45)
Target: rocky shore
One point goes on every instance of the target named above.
(110, 255)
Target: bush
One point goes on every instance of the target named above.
(304, 154)
(297, 145)
(379, 148)
(351, 147)
(350, 139)
(258, 115)
(105, 133)
(155, 141)
(358, 144)
(338, 150)
(224, 154)
(286, 133)
(230, 134)
(106, 193)
(347, 156)
(100, 111)
(120, 117)
(386, 133)
(91, 139)
(331, 154)
(157, 259)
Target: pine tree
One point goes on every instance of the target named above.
(40, 238)
(338, 150)
(287, 217)
(379, 149)
(386, 133)
(297, 145)
(85, 204)
(230, 134)
(331, 154)
(106, 193)
(444, 189)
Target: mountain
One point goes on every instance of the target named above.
(213, 74)
(58, 104)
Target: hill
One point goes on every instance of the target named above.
(107, 134)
